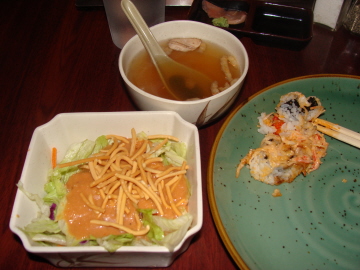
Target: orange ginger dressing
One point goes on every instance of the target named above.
(78, 215)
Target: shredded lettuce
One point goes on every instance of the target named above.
(57, 239)
(55, 188)
(44, 209)
(43, 225)
(142, 135)
(100, 143)
(113, 242)
(155, 233)
(177, 228)
(78, 151)
(172, 152)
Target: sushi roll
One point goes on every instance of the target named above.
(291, 146)
(272, 163)
(296, 108)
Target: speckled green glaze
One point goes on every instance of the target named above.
(315, 224)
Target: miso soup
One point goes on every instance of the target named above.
(206, 59)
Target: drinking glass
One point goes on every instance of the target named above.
(153, 12)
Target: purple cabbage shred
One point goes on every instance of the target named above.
(52, 211)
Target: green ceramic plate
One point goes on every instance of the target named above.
(315, 224)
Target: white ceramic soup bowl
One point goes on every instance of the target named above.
(198, 112)
(68, 128)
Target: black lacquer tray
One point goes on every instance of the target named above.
(267, 23)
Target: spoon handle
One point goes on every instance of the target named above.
(141, 28)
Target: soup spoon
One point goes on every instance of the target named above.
(182, 82)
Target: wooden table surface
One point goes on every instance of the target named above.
(56, 58)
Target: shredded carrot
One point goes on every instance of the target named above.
(53, 157)
(80, 161)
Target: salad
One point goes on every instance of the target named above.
(113, 192)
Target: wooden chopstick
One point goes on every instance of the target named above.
(338, 132)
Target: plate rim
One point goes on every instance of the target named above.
(210, 187)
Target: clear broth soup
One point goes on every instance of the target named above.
(144, 75)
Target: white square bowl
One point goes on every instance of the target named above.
(67, 128)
